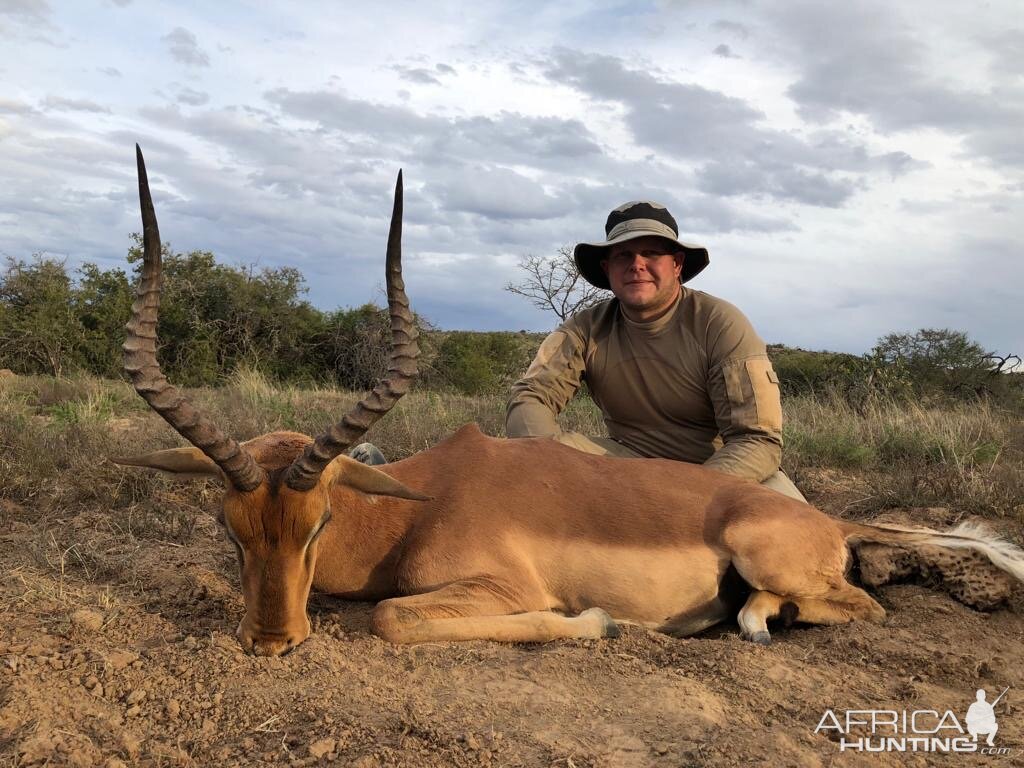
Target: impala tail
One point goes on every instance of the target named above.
(969, 535)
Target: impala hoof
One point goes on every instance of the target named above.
(761, 637)
(608, 627)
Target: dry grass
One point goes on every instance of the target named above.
(55, 437)
(968, 456)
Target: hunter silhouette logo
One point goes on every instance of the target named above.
(981, 717)
(919, 730)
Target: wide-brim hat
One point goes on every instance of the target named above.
(639, 218)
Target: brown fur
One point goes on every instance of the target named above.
(518, 529)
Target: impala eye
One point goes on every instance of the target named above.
(320, 527)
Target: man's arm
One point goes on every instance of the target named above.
(550, 382)
(744, 391)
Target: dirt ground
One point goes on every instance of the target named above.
(120, 651)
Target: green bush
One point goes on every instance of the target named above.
(216, 319)
(801, 372)
(943, 362)
(830, 447)
(39, 330)
(478, 363)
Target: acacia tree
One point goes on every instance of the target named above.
(553, 283)
(943, 359)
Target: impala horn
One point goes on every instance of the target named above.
(305, 471)
(141, 365)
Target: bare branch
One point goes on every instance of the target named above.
(1000, 364)
(553, 283)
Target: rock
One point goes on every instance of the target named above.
(131, 743)
(87, 620)
(322, 748)
(39, 747)
(133, 711)
(121, 659)
(83, 756)
(173, 708)
(115, 762)
(136, 696)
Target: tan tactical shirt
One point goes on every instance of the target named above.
(666, 388)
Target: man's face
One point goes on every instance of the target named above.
(644, 274)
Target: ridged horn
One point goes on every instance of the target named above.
(141, 365)
(304, 473)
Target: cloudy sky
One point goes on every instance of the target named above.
(854, 168)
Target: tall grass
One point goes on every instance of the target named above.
(968, 456)
(55, 437)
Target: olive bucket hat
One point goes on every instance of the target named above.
(639, 218)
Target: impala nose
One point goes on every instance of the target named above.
(268, 644)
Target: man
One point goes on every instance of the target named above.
(671, 368)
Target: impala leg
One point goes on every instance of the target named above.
(794, 558)
(838, 606)
(471, 611)
(754, 616)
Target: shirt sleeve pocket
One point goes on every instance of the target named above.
(752, 387)
(764, 386)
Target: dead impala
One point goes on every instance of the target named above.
(518, 540)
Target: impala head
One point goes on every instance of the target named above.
(277, 496)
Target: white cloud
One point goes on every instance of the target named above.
(184, 47)
(32, 12)
(62, 104)
(857, 171)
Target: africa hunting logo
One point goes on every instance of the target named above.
(920, 730)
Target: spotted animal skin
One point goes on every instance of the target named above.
(967, 576)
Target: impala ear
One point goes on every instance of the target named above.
(355, 474)
(186, 463)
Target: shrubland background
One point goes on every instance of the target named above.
(928, 418)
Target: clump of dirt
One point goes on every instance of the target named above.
(126, 656)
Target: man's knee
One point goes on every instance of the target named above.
(780, 482)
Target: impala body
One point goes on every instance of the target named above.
(482, 538)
